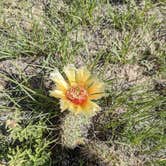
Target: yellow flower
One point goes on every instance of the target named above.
(78, 92)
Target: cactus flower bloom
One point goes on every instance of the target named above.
(79, 90)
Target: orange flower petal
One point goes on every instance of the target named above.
(70, 72)
(82, 76)
(64, 105)
(90, 108)
(61, 84)
(57, 94)
(96, 89)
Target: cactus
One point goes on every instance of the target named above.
(74, 129)
(74, 133)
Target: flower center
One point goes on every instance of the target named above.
(77, 95)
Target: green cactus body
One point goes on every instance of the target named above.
(74, 129)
